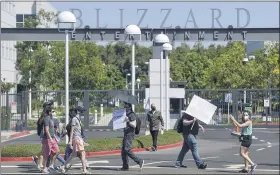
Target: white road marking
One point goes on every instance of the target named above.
(237, 154)
(92, 162)
(254, 137)
(234, 166)
(233, 169)
(149, 167)
(262, 140)
(269, 146)
(259, 128)
(260, 149)
(152, 163)
(207, 158)
(268, 143)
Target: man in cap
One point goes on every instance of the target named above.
(129, 133)
(76, 139)
(154, 123)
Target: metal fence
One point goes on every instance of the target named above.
(262, 104)
(100, 105)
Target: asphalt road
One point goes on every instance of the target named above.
(35, 139)
(216, 147)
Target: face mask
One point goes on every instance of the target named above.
(153, 108)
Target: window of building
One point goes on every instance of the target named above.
(19, 24)
(19, 17)
(29, 16)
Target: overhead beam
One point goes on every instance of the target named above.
(148, 34)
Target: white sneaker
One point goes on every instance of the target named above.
(45, 171)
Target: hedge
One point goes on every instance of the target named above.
(95, 145)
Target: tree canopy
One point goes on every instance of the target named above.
(96, 67)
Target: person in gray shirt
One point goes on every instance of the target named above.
(154, 122)
(77, 141)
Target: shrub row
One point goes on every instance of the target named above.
(95, 145)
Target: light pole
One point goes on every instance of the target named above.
(138, 82)
(132, 30)
(67, 18)
(126, 83)
(161, 39)
(167, 49)
(30, 92)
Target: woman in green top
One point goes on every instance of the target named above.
(246, 140)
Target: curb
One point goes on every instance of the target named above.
(92, 154)
(23, 133)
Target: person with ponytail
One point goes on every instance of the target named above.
(246, 140)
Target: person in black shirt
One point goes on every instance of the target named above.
(190, 142)
(129, 133)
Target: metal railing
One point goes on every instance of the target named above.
(100, 106)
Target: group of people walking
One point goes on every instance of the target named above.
(51, 131)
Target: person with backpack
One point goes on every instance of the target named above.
(189, 127)
(38, 160)
(49, 143)
(154, 123)
(133, 124)
(76, 140)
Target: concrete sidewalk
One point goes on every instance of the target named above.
(6, 135)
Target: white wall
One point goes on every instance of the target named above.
(8, 51)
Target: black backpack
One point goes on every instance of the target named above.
(40, 125)
(138, 125)
(180, 125)
(68, 127)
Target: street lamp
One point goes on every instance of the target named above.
(167, 48)
(30, 92)
(132, 30)
(66, 17)
(126, 85)
(138, 82)
(161, 39)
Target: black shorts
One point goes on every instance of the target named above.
(247, 141)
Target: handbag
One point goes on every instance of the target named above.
(245, 138)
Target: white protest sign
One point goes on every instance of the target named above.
(14, 107)
(201, 109)
(266, 103)
(118, 119)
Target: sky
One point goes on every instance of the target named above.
(262, 14)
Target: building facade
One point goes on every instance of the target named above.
(8, 52)
(31, 9)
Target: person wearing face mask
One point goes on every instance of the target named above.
(129, 133)
(246, 140)
(154, 124)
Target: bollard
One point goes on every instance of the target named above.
(19, 127)
(95, 117)
(101, 110)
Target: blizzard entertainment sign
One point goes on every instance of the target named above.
(117, 34)
(182, 35)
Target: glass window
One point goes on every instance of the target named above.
(19, 25)
(19, 17)
(29, 16)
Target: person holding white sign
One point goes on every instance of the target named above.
(246, 140)
(190, 131)
(129, 133)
